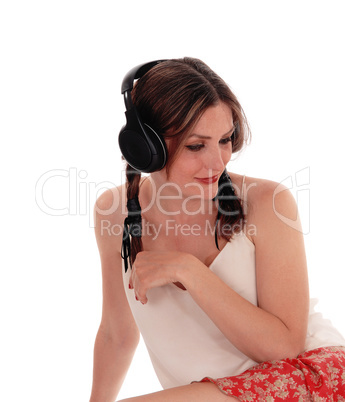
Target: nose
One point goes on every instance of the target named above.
(215, 160)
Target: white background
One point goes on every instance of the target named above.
(62, 65)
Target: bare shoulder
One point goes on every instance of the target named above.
(267, 204)
(109, 214)
(266, 197)
(111, 203)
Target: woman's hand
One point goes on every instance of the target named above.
(152, 269)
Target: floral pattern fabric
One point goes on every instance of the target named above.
(317, 375)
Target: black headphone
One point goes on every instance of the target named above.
(141, 146)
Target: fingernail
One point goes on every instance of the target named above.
(136, 298)
(130, 286)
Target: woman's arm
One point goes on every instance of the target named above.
(118, 335)
(274, 329)
(277, 327)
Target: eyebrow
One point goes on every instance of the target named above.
(205, 137)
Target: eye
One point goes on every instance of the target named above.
(195, 147)
(226, 140)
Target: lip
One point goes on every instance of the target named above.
(207, 180)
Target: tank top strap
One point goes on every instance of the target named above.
(242, 189)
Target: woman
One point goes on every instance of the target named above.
(214, 279)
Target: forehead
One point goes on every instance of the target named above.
(216, 120)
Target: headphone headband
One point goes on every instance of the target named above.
(135, 73)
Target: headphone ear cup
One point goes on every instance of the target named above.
(140, 145)
(159, 154)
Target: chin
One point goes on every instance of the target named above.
(211, 191)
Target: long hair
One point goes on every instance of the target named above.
(171, 98)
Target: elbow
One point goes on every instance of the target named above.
(289, 352)
(295, 343)
(129, 342)
(295, 348)
(289, 349)
(126, 339)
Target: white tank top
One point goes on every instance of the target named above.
(185, 345)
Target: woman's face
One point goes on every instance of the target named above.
(205, 154)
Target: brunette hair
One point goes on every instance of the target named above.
(171, 98)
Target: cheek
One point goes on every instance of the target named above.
(187, 164)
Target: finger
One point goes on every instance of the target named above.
(142, 300)
(134, 284)
(130, 283)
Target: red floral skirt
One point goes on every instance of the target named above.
(316, 375)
